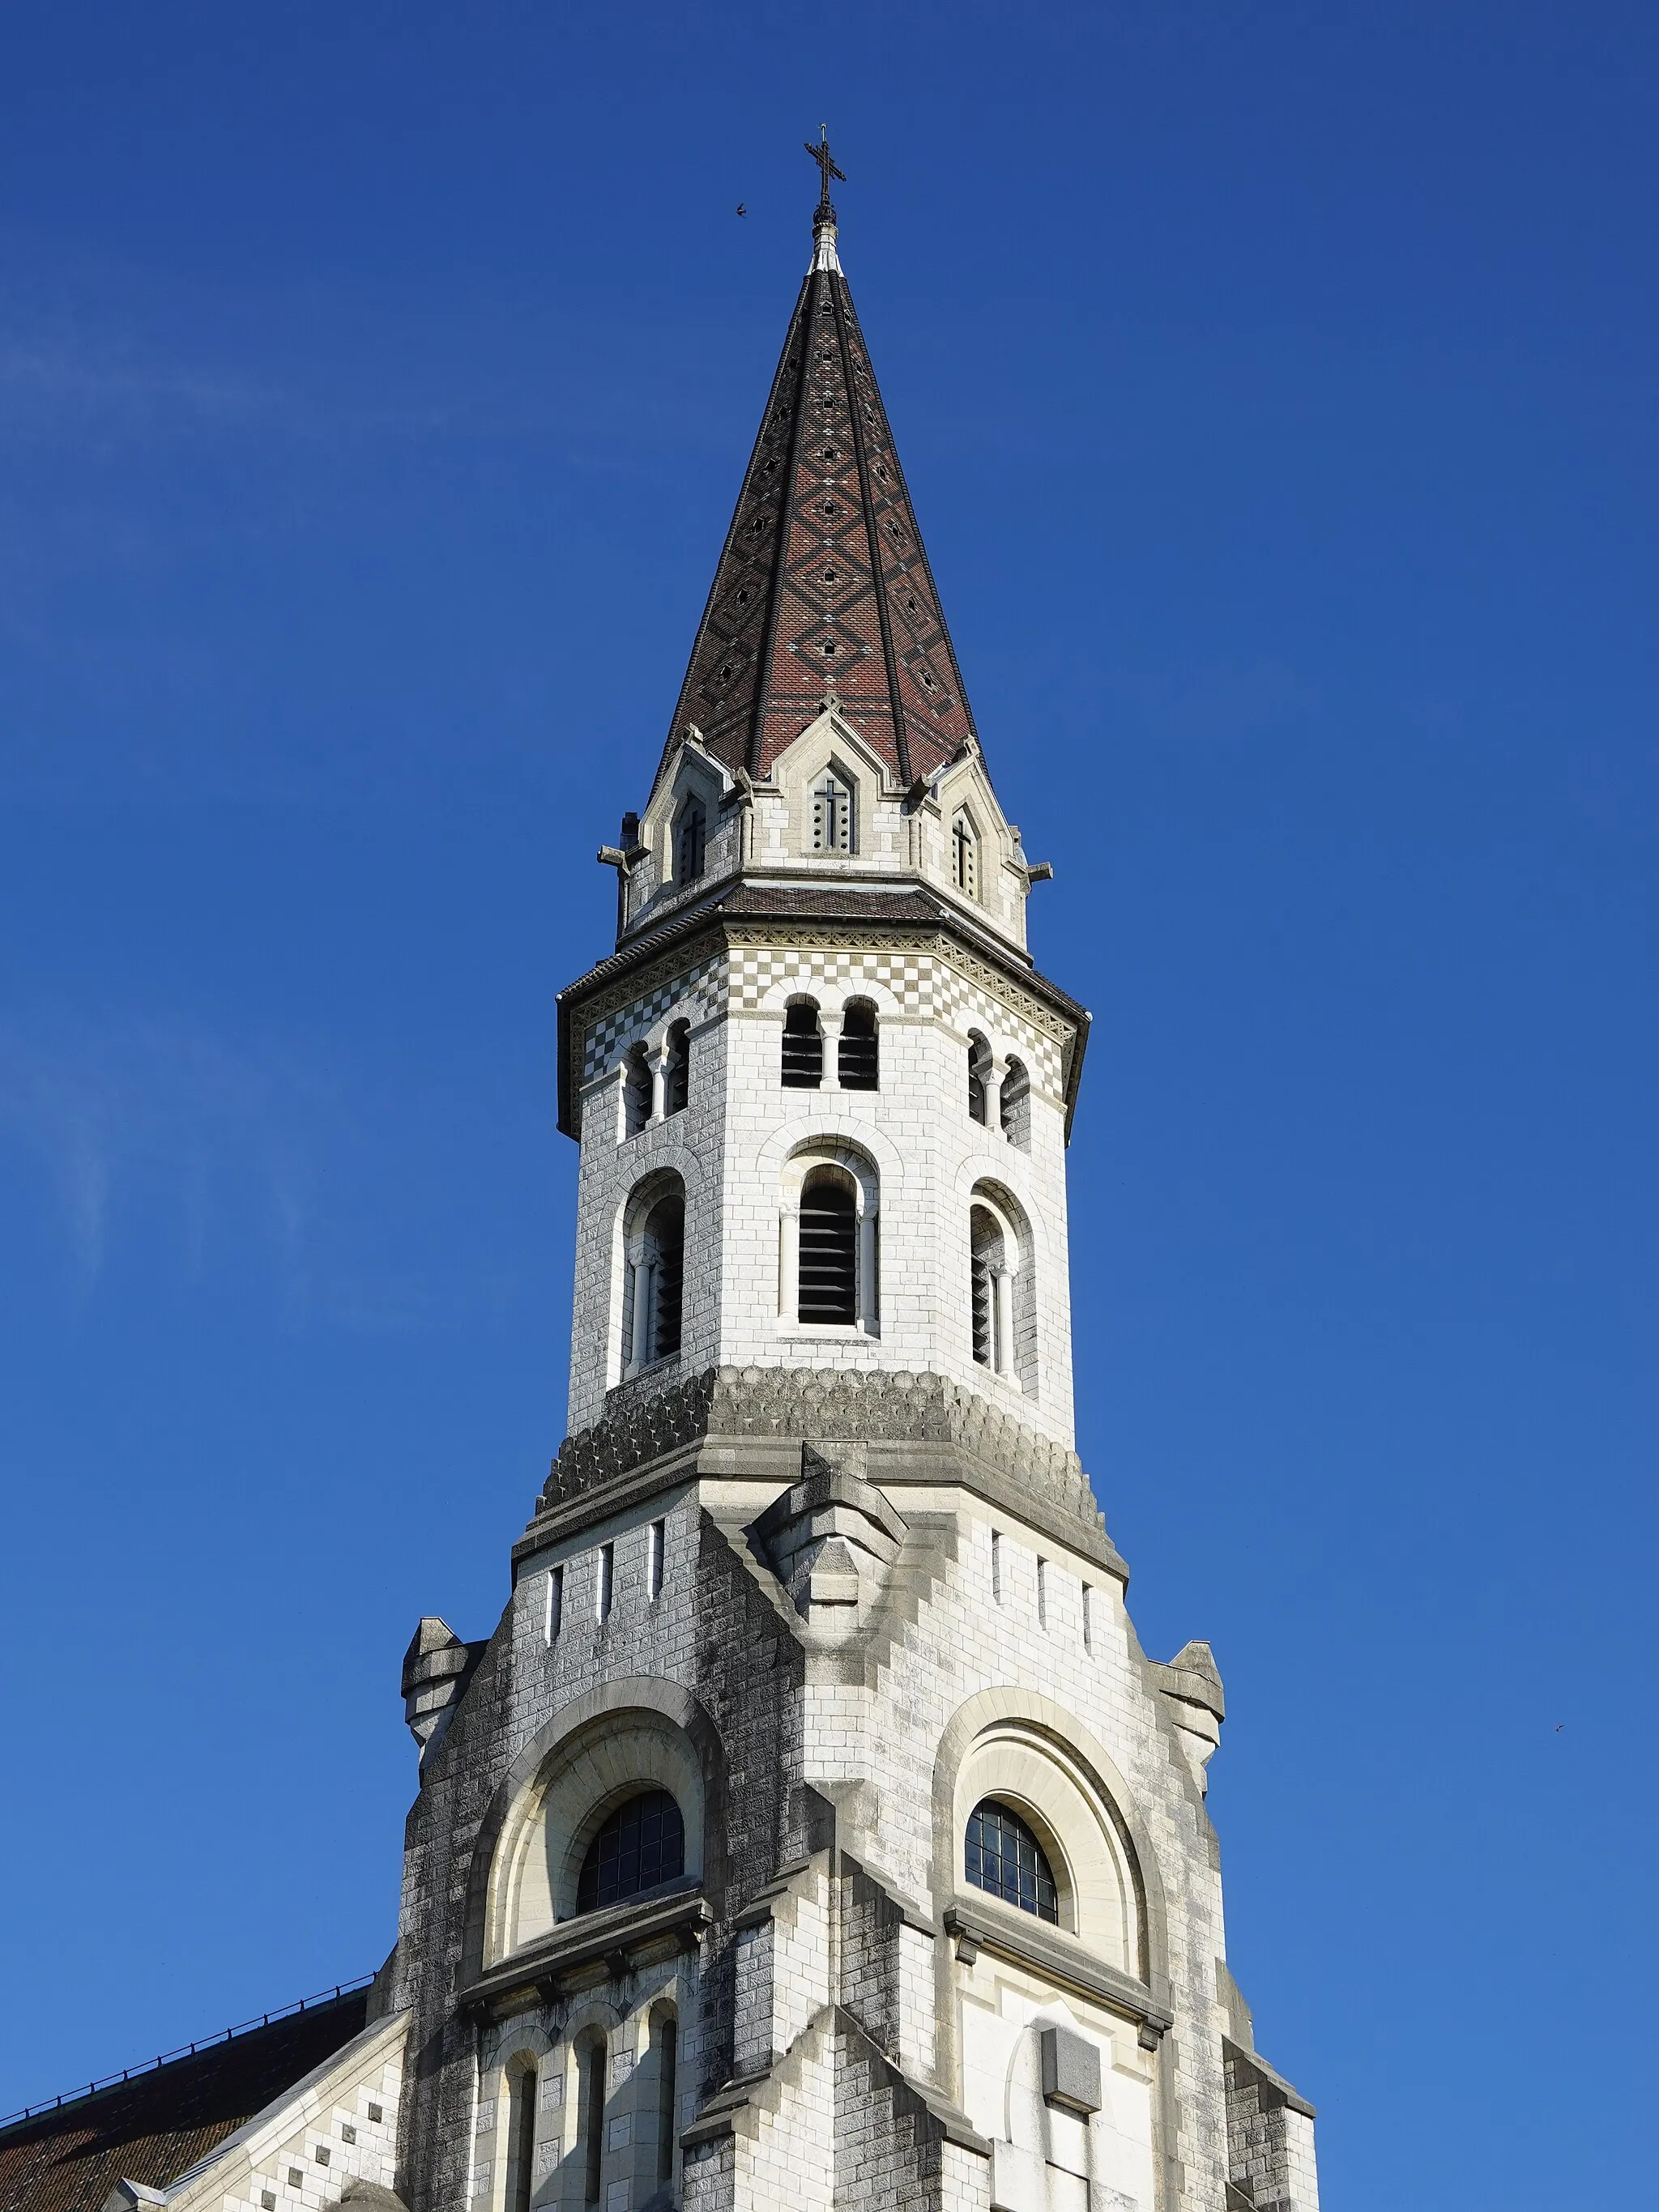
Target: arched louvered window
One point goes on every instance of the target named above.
(690, 836)
(803, 1047)
(829, 1261)
(1015, 1104)
(641, 1845)
(857, 1065)
(654, 1285)
(964, 856)
(979, 1079)
(987, 1261)
(1002, 1856)
(636, 1090)
(832, 815)
(676, 1069)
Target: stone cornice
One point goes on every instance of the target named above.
(610, 1937)
(1044, 1951)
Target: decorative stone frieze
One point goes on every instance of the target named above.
(823, 1405)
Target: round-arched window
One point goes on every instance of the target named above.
(1001, 1855)
(641, 1845)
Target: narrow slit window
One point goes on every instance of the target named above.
(996, 1566)
(1088, 1617)
(554, 1620)
(1042, 1591)
(668, 2051)
(593, 2120)
(656, 1541)
(605, 1585)
(521, 2140)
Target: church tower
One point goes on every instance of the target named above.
(813, 1831)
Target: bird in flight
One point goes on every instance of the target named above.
(742, 210)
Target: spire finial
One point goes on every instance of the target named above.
(824, 218)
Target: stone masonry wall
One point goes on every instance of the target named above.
(730, 1144)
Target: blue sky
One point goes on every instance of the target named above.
(1276, 389)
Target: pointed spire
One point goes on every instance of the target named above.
(823, 582)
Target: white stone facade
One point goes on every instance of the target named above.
(738, 1147)
(834, 1590)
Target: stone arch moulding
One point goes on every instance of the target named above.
(1020, 1353)
(825, 1127)
(523, 2036)
(1039, 1721)
(847, 1158)
(831, 997)
(513, 1810)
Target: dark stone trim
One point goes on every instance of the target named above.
(1057, 1958)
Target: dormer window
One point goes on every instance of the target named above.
(832, 815)
(690, 836)
(964, 857)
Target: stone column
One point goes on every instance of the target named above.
(869, 1263)
(644, 1271)
(1002, 1319)
(789, 1261)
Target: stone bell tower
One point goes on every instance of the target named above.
(813, 1830)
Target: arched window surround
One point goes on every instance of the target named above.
(858, 1170)
(1002, 1288)
(1097, 1878)
(520, 2140)
(552, 1819)
(650, 1321)
(659, 2074)
(653, 1074)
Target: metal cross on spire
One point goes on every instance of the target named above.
(826, 161)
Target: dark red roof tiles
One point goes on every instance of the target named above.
(822, 579)
(154, 2127)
